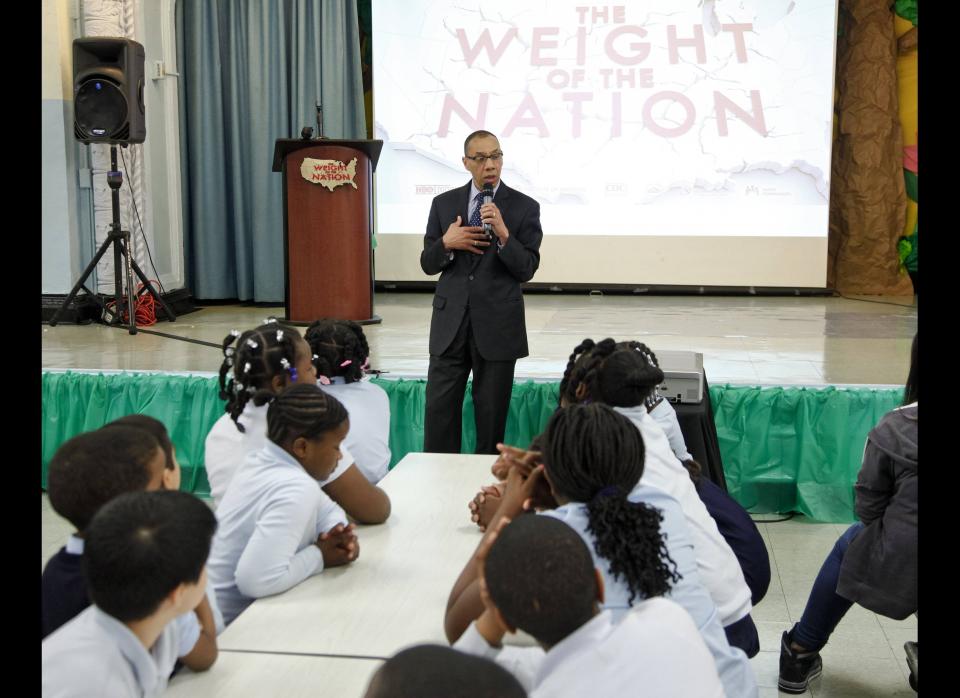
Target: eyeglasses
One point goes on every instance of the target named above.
(480, 158)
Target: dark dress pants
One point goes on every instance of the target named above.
(446, 382)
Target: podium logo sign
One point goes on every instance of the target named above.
(329, 173)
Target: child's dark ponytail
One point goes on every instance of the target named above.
(582, 367)
(640, 558)
(595, 456)
(251, 360)
(339, 349)
(627, 377)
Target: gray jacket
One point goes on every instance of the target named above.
(879, 569)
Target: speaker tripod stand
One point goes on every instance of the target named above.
(119, 240)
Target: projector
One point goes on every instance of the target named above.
(682, 376)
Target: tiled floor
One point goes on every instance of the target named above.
(865, 655)
(756, 340)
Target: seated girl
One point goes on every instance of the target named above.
(271, 358)
(340, 355)
(276, 527)
(592, 475)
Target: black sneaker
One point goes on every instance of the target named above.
(797, 670)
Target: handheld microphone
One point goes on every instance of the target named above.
(488, 199)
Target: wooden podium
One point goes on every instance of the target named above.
(327, 227)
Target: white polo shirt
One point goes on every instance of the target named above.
(731, 663)
(717, 564)
(369, 436)
(654, 650)
(97, 655)
(665, 415)
(187, 624)
(226, 447)
(269, 520)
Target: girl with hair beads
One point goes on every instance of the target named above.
(271, 358)
(593, 462)
(276, 526)
(340, 355)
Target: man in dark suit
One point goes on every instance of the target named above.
(478, 320)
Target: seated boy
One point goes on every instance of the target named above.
(144, 562)
(434, 671)
(538, 575)
(85, 473)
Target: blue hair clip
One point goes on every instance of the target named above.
(289, 369)
(609, 491)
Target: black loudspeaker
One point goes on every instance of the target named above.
(108, 90)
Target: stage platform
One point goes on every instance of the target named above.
(809, 341)
(795, 384)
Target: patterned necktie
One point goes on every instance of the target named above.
(475, 217)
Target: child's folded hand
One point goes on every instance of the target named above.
(339, 545)
(511, 456)
(484, 504)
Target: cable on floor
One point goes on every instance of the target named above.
(145, 311)
(864, 300)
(785, 518)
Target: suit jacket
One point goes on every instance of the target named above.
(487, 286)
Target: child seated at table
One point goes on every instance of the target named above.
(144, 562)
(434, 671)
(277, 528)
(539, 577)
(624, 376)
(733, 521)
(270, 358)
(590, 478)
(85, 473)
(340, 355)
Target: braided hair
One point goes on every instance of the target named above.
(339, 348)
(249, 366)
(642, 348)
(302, 410)
(627, 377)
(583, 366)
(595, 456)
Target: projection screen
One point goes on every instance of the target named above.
(669, 142)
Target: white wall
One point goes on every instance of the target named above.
(152, 169)
(60, 244)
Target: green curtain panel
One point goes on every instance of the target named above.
(784, 449)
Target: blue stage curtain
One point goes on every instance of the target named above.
(251, 73)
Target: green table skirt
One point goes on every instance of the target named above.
(784, 449)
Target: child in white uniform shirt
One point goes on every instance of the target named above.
(271, 358)
(277, 527)
(623, 376)
(130, 454)
(340, 354)
(733, 521)
(539, 577)
(591, 479)
(144, 562)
